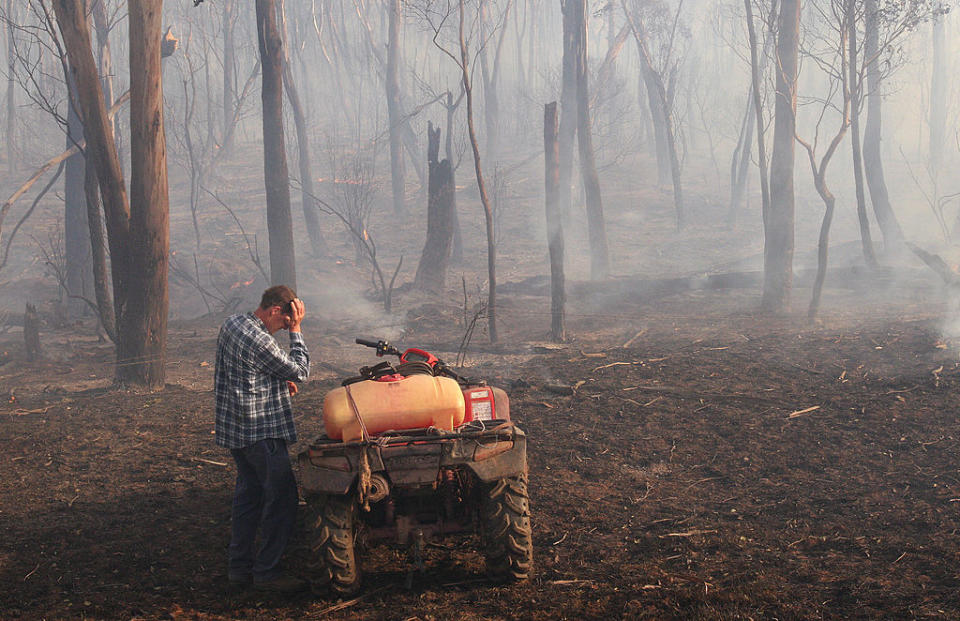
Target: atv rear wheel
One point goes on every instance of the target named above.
(507, 535)
(333, 563)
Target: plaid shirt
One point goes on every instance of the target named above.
(250, 382)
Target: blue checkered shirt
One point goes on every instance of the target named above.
(250, 382)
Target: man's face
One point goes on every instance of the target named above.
(280, 318)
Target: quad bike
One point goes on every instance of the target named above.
(412, 452)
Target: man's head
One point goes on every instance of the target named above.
(275, 309)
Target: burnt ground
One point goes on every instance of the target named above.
(720, 465)
(707, 462)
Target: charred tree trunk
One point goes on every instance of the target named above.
(76, 233)
(938, 96)
(102, 27)
(457, 254)
(866, 237)
(758, 111)
(143, 324)
(11, 87)
(658, 120)
(394, 111)
(778, 223)
(758, 64)
(31, 332)
(872, 160)
(98, 250)
(101, 149)
(599, 253)
(568, 109)
(229, 73)
(276, 176)
(481, 186)
(558, 294)
(311, 214)
(489, 72)
(740, 161)
(139, 240)
(432, 270)
(663, 99)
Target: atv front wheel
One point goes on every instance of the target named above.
(507, 535)
(333, 564)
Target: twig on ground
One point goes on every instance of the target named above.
(812, 408)
(350, 602)
(634, 338)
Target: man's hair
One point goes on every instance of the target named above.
(279, 295)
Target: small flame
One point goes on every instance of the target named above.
(365, 236)
(242, 283)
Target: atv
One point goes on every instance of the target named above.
(413, 452)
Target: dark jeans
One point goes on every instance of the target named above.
(266, 498)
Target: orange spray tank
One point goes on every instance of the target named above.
(413, 402)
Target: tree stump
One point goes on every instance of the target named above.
(432, 270)
(31, 332)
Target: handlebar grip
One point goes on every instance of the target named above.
(367, 342)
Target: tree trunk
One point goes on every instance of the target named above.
(658, 120)
(778, 225)
(101, 149)
(31, 332)
(489, 71)
(143, 324)
(76, 233)
(662, 100)
(568, 108)
(432, 270)
(758, 63)
(276, 177)
(599, 253)
(481, 186)
(139, 241)
(394, 110)
(938, 95)
(311, 214)
(558, 295)
(872, 160)
(823, 245)
(98, 249)
(866, 238)
(740, 161)
(11, 87)
(755, 78)
(229, 73)
(457, 254)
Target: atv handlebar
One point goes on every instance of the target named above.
(383, 347)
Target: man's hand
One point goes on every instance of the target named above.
(292, 387)
(297, 311)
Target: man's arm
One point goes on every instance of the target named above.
(270, 358)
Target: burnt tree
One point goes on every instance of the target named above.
(76, 235)
(872, 131)
(866, 238)
(307, 201)
(575, 52)
(778, 221)
(276, 176)
(551, 150)
(394, 106)
(432, 270)
(138, 230)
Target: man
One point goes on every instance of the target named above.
(254, 378)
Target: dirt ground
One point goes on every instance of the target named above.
(717, 466)
(710, 463)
